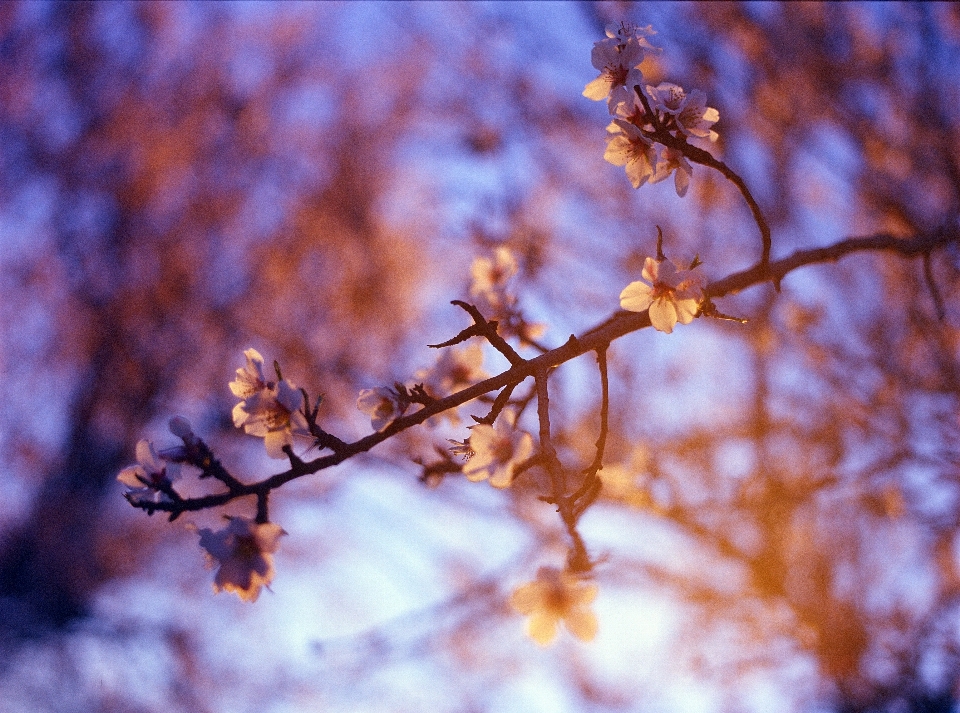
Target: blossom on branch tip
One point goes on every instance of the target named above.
(498, 451)
(627, 147)
(149, 475)
(383, 405)
(553, 597)
(244, 550)
(618, 58)
(270, 410)
(672, 296)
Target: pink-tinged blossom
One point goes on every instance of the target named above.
(672, 296)
(244, 551)
(556, 596)
(269, 410)
(497, 452)
(629, 148)
(145, 479)
(673, 160)
(689, 109)
(382, 405)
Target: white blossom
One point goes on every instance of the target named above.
(673, 160)
(244, 550)
(672, 296)
(382, 405)
(618, 59)
(270, 410)
(497, 451)
(145, 479)
(629, 148)
(553, 597)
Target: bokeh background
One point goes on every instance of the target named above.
(180, 181)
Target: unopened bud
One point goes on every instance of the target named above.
(180, 427)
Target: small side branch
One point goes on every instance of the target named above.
(499, 403)
(597, 464)
(487, 330)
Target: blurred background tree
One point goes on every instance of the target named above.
(778, 527)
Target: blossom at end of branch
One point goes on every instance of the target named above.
(150, 474)
(618, 58)
(244, 550)
(498, 451)
(671, 296)
(556, 596)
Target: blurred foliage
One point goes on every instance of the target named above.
(181, 181)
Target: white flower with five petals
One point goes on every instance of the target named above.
(553, 597)
(671, 296)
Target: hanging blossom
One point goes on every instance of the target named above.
(497, 451)
(269, 410)
(145, 480)
(672, 296)
(455, 369)
(618, 59)
(244, 550)
(671, 160)
(553, 597)
(382, 405)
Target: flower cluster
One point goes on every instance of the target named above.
(268, 409)
(671, 296)
(556, 596)
(244, 550)
(650, 124)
